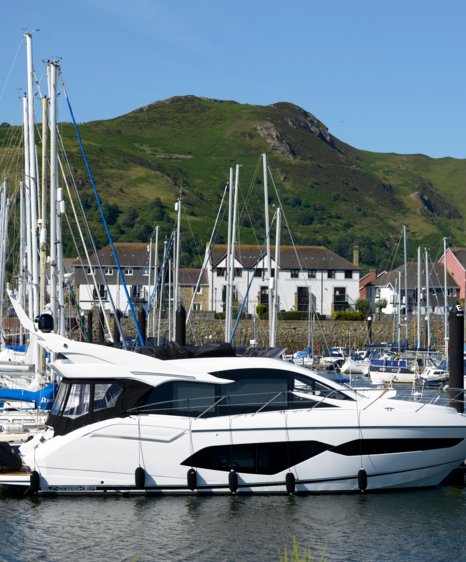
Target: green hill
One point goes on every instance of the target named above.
(332, 193)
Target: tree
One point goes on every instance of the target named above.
(380, 304)
(363, 306)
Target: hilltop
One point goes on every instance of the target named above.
(332, 194)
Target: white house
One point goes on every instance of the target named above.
(134, 260)
(307, 276)
(390, 286)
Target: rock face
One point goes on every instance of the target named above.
(271, 136)
(307, 121)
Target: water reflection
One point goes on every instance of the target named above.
(408, 526)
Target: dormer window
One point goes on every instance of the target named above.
(129, 271)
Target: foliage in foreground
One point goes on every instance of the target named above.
(295, 555)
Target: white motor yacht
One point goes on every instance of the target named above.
(125, 422)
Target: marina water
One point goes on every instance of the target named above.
(421, 525)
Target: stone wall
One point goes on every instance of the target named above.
(294, 334)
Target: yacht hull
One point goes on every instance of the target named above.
(394, 452)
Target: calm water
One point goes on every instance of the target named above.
(425, 525)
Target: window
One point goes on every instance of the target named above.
(221, 272)
(197, 306)
(180, 398)
(238, 272)
(78, 401)
(129, 271)
(145, 272)
(302, 299)
(294, 273)
(258, 272)
(109, 271)
(88, 270)
(99, 293)
(136, 291)
(57, 405)
(199, 290)
(311, 273)
(331, 274)
(106, 395)
(348, 274)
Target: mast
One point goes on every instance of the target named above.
(275, 305)
(418, 310)
(4, 209)
(232, 252)
(427, 301)
(445, 307)
(176, 264)
(267, 241)
(32, 177)
(406, 282)
(60, 264)
(156, 275)
(27, 212)
(43, 226)
(228, 262)
(398, 323)
(53, 188)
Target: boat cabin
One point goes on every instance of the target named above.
(80, 402)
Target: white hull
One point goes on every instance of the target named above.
(126, 422)
(89, 460)
(352, 367)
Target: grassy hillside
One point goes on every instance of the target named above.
(332, 194)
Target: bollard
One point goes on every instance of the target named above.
(455, 357)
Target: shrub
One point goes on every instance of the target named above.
(348, 315)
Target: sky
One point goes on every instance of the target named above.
(382, 75)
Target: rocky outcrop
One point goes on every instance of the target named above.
(305, 120)
(274, 139)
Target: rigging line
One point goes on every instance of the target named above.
(243, 303)
(208, 252)
(99, 204)
(15, 58)
(99, 265)
(79, 257)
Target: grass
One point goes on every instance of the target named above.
(351, 196)
(295, 554)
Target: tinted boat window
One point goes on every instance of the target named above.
(180, 398)
(78, 401)
(106, 395)
(59, 400)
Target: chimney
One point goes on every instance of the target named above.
(356, 256)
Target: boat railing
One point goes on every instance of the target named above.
(244, 403)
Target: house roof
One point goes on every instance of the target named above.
(436, 276)
(460, 255)
(129, 254)
(189, 276)
(291, 257)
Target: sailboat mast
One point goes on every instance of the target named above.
(275, 302)
(445, 288)
(43, 230)
(228, 262)
(176, 265)
(418, 310)
(406, 281)
(32, 177)
(427, 301)
(267, 242)
(27, 211)
(53, 187)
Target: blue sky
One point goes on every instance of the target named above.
(386, 76)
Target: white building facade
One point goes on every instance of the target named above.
(310, 279)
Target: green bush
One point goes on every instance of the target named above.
(348, 315)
